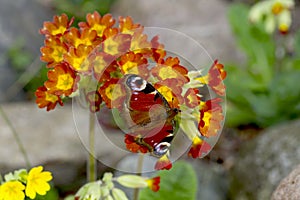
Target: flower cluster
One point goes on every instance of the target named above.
(21, 184)
(97, 56)
(105, 188)
(273, 13)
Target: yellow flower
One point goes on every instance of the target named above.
(37, 182)
(12, 190)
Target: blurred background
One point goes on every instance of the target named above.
(259, 145)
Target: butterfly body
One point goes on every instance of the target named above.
(149, 117)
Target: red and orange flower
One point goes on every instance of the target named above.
(96, 22)
(54, 50)
(45, 99)
(61, 80)
(102, 52)
(199, 147)
(211, 114)
(153, 183)
(58, 27)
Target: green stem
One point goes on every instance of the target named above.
(91, 168)
(16, 136)
(139, 173)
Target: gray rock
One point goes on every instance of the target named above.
(212, 180)
(56, 138)
(289, 187)
(20, 20)
(264, 161)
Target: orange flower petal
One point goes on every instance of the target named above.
(132, 63)
(192, 98)
(211, 116)
(158, 51)
(163, 163)
(153, 183)
(216, 75)
(96, 22)
(171, 90)
(133, 146)
(113, 93)
(170, 68)
(127, 26)
(62, 80)
(86, 36)
(117, 44)
(198, 148)
(46, 99)
(58, 27)
(53, 52)
(78, 58)
(140, 43)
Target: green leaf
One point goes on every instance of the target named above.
(178, 183)
(238, 115)
(254, 41)
(297, 43)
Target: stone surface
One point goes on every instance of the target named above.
(205, 21)
(264, 161)
(20, 21)
(289, 187)
(56, 138)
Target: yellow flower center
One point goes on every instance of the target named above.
(99, 28)
(65, 82)
(111, 47)
(130, 67)
(85, 41)
(277, 8)
(167, 72)
(58, 53)
(203, 79)
(207, 118)
(80, 64)
(51, 97)
(59, 30)
(197, 141)
(166, 92)
(113, 91)
(283, 28)
(128, 31)
(99, 65)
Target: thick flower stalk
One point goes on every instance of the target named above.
(21, 184)
(116, 65)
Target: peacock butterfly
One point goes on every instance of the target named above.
(148, 116)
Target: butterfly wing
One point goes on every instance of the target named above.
(149, 118)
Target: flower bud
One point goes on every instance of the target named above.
(119, 194)
(132, 181)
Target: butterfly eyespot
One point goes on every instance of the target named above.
(136, 83)
(161, 148)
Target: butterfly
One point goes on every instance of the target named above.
(148, 115)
